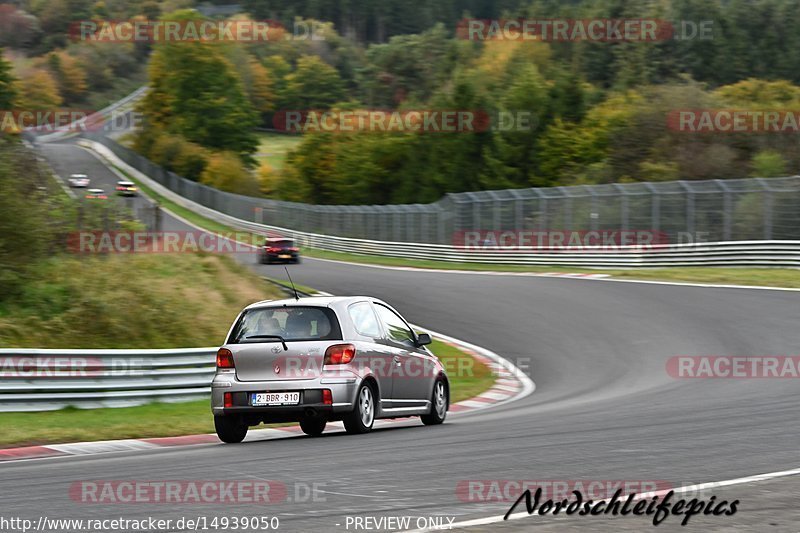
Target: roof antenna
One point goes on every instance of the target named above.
(297, 298)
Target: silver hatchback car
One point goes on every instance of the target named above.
(320, 359)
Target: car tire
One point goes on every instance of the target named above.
(230, 429)
(313, 426)
(297, 261)
(440, 401)
(361, 418)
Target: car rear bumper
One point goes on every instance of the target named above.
(343, 392)
(280, 256)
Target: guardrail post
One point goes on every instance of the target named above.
(655, 207)
(623, 207)
(519, 218)
(476, 214)
(690, 214)
(768, 204)
(727, 209)
(594, 216)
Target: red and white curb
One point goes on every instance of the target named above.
(510, 384)
(572, 275)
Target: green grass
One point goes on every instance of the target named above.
(432, 264)
(130, 301)
(72, 425)
(766, 277)
(468, 378)
(274, 147)
(300, 288)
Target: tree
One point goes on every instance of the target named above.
(761, 93)
(226, 173)
(256, 80)
(38, 90)
(69, 74)
(768, 164)
(278, 69)
(527, 101)
(7, 90)
(313, 85)
(196, 93)
(25, 234)
(409, 67)
(18, 29)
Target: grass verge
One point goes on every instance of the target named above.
(130, 301)
(76, 425)
(274, 147)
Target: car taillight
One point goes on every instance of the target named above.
(339, 354)
(224, 358)
(273, 249)
(327, 397)
(228, 399)
(294, 249)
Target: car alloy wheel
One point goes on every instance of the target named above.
(440, 399)
(366, 407)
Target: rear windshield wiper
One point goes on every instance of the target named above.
(273, 337)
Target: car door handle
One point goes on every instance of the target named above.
(396, 360)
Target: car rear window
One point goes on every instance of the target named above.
(293, 323)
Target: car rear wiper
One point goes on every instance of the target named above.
(274, 337)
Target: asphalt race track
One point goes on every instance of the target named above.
(605, 407)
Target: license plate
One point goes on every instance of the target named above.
(274, 398)
(285, 256)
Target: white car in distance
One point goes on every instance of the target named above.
(80, 181)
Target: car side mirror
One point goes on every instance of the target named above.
(423, 339)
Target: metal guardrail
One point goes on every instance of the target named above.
(752, 253)
(718, 210)
(43, 380)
